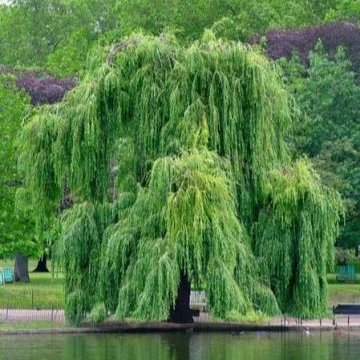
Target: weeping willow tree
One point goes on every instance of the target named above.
(178, 169)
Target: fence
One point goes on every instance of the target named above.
(331, 321)
(30, 305)
(16, 315)
(18, 305)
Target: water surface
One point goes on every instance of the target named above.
(219, 346)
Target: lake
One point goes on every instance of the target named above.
(179, 346)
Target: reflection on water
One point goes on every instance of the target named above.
(249, 346)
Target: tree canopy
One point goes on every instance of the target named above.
(54, 34)
(16, 233)
(327, 128)
(57, 34)
(19, 89)
(177, 164)
(303, 41)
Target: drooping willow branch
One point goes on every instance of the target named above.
(205, 185)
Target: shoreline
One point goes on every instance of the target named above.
(164, 327)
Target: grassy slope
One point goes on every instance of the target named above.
(43, 291)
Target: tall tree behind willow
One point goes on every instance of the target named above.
(16, 227)
(178, 166)
(54, 34)
(230, 19)
(327, 129)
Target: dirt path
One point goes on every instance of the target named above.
(12, 315)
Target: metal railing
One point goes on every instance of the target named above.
(17, 305)
(30, 305)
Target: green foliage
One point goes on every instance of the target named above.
(327, 129)
(253, 18)
(58, 34)
(70, 56)
(83, 226)
(97, 315)
(229, 19)
(54, 33)
(345, 10)
(210, 170)
(302, 216)
(188, 222)
(15, 227)
(187, 18)
(44, 291)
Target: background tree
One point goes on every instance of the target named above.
(328, 129)
(187, 18)
(56, 34)
(204, 199)
(302, 41)
(17, 228)
(230, 19)
(16, 235)
(43, 88)
(257, 17)
(345, 10)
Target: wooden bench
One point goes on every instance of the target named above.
(346, 273)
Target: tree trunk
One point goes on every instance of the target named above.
(182, 312)
(41, 265)
(21, 268)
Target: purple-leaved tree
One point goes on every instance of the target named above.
(45, 90)
(282, 43)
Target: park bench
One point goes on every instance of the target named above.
(346, 309)
(2, 277)
(198, 300)
(346, 273)
(9, 275)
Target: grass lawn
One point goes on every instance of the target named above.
(44, 291)
(343, 292)
(30, 325)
